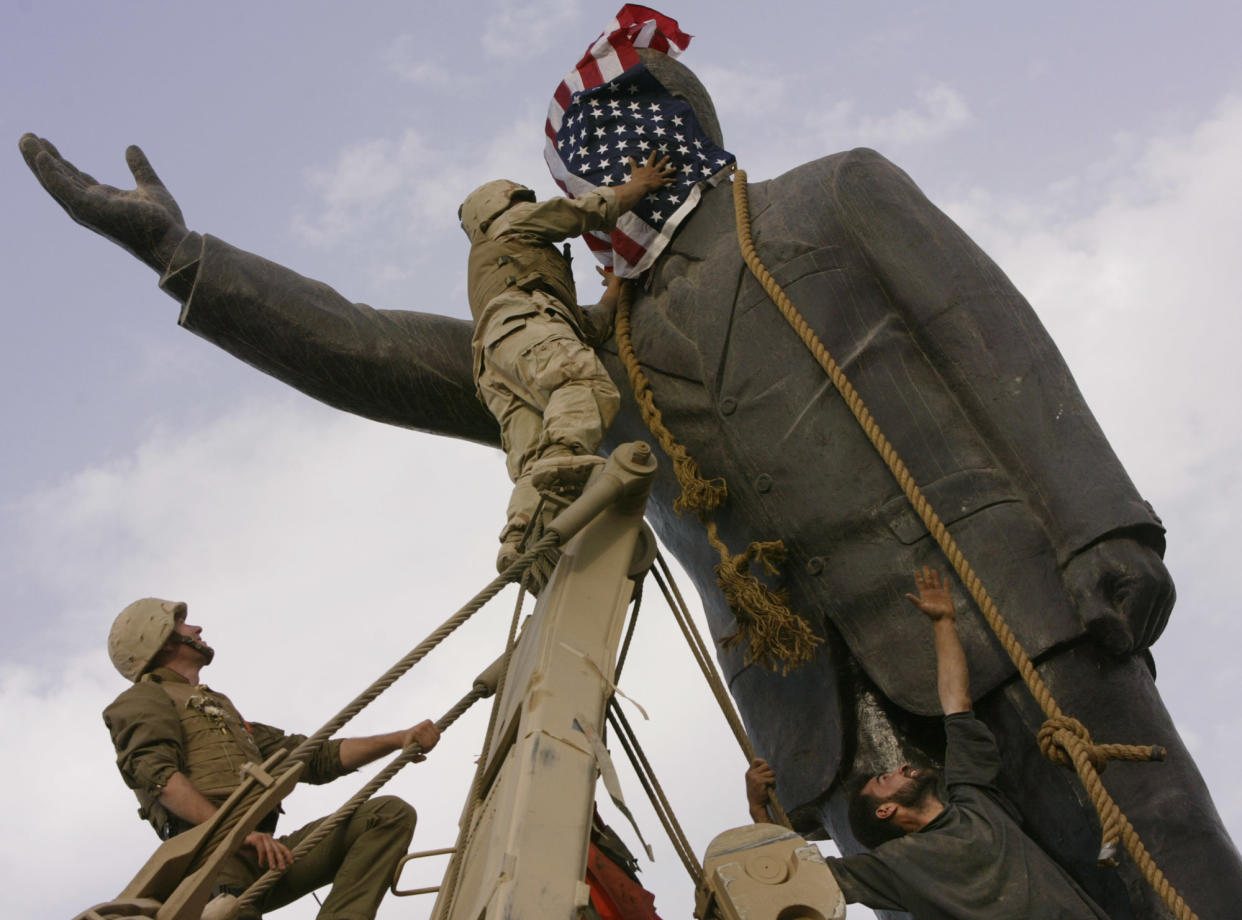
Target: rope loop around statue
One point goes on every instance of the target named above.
(1063, 740)
(771, 632)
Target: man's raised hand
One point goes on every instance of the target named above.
(144, 221)
(933, 598)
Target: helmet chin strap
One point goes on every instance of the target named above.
(198, 645)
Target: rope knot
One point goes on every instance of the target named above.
(1060, 735)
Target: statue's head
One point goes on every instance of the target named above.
(681, 82)
(486, 203)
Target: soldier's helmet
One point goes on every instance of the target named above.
(487, 202)
(139, 632)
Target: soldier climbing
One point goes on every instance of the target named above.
(533, 362)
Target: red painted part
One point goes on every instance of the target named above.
(614, 895)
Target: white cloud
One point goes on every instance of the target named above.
(389, 206)
(1140, 293)
(315, 549)
(742, 96)
(406, 57)
(771, 130)
(408, 184)
(527, 28)
(941, 111)
(372, 181)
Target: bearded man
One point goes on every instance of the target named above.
(958, 858)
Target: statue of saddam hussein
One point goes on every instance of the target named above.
(957, 370)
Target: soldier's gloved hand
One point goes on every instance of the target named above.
(425, 733)
(1123, 592)
(271, 852)
(144, 221)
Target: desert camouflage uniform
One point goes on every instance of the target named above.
(163, 725)
(533, 365)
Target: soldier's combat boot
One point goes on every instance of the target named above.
(563, 473)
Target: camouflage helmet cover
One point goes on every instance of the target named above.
(486, 202)
(139, 632)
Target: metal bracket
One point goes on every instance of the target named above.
(396, 873)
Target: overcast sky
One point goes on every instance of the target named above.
(1092, 149)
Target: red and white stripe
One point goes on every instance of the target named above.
(609, 56)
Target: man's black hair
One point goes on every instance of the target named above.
(869, 829)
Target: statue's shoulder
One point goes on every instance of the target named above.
(862, 164)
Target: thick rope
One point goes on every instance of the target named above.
(773, 634)
(264, 883)
(698, 495)
(474, 798)
(702, 657)
(304, 751)
(629, 630)
(1073, 745)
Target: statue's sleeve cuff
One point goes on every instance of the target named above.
(178, 279)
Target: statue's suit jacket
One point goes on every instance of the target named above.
(949, 357)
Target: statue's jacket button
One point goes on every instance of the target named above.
(728, 405)
(763, 483)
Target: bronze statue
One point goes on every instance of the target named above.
(966, 383)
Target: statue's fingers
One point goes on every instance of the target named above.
(51, 148)
(59, 182)
(151, 184)
(31, 146)
(141, 167)
(46, 162)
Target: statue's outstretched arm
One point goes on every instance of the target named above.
(400, 367)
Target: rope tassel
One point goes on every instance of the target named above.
(773, 634)
(698, 495)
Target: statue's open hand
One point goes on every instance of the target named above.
(1123, 591)
(145, 220)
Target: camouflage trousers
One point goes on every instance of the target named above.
(550, 394)
(357, 859)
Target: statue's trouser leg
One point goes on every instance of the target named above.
(358, 859)
(1167, 802)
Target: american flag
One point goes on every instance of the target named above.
(609, 108)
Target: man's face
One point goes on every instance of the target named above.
(192, 641)
(907, 786)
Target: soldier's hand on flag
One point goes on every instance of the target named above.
(653, 174)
